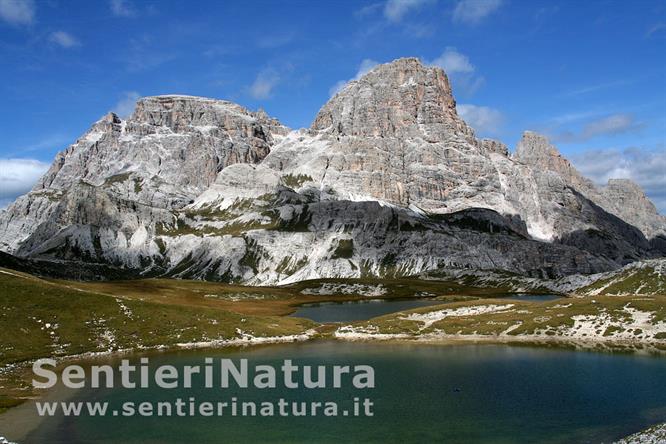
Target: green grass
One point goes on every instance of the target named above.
(138, 185)
(534, 317)
(86, 320)
(296, 181)
(239, 207)
(83, 321)
(645, 281)
(289, 266)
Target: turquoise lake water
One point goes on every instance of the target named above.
(365, 309)
(358, 310)
(423, 393)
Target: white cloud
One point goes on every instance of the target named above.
(122, 8)
(474, 11)
(369, 9)
(18, 176)
(126, 104)
(459, 69)
(453, 62)
(609, 125)
(17, 12)
(264, 84)
(484, 120)
(395, 10)
(614, 124)
(64, 39)
(646, 168)
(364, 68)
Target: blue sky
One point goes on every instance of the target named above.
(589, 74)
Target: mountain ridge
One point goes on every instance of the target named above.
(388, 180)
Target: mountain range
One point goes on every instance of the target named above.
(388, 181)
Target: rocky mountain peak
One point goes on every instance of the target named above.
(178, 112)
(628, 194)
(536, 150)
(197, 187)
(167, 152)
(534, 147)
(494, 146)
(404, 98)
(111, 117)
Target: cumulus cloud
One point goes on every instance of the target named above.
(453, 62)
(17, 12)
(122, 8)
(484, 120)
(264, 84)
(459, 69)
(64, 39)
(126, 104)
(395, 10)
(364, 68)
(613, 124)
(645, 167)
(18, 176)
(472, 12)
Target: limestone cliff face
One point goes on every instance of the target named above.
(165, 154)
(394, 135)
(627, 200)
(387, 181)
(561, 186)
(402, 99)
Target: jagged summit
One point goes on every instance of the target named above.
(387, 181)
(536, 150)
(168, 97)
(533, 145)
(176, 111)
(403, 98)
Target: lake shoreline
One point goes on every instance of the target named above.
(549, 342)
(29, 422)
(538, 341)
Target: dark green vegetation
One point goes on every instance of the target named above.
(296, 181)
(647, 279)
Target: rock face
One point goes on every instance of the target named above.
(394, 135)
(168, 152)
(387, 181)
(627, 200)
(164, 155)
